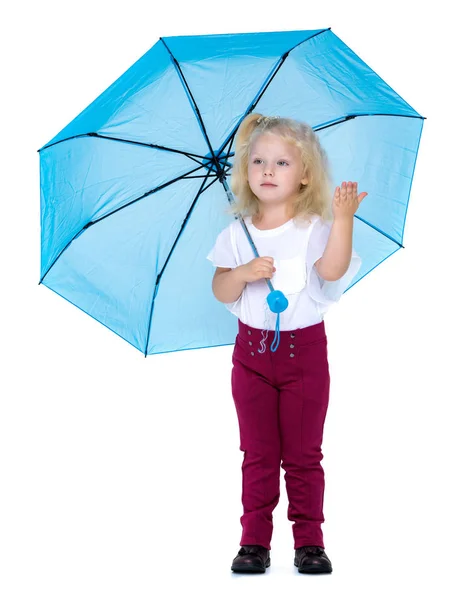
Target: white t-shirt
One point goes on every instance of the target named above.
(295, 247)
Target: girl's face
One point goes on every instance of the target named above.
(275, 170)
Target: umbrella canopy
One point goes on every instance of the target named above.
(133, 190)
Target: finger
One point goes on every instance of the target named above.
(266, 270)
(268, 264)
(269, 270)
(361, 196)
(337, 195)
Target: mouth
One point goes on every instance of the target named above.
(268, 185)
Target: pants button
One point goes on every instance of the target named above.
(291, 355)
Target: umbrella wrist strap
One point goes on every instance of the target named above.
(276, 339)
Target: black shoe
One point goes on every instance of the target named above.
(312, 559)
(251, 559)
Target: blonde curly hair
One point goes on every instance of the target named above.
(314, 198)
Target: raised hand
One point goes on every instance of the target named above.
(346, 200)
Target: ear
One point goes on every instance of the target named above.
(304, 181)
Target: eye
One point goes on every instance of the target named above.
(259, 160)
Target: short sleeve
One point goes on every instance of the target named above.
(222, 255)
(326, 293)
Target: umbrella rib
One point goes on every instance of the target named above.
(198, 176)
(125, 141)
(229, 153)
(379, 231)
(370, 270)
(160, 187)
(266, 85)
(337, 121)
(158, 277)
(349, 117)
(199, 117)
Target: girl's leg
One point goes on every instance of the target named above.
(256, 402)
(303, 408)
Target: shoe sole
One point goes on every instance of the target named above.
(250, 569)
(313, 569)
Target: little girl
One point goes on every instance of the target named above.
(280, 179)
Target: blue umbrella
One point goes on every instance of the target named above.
(134, 190)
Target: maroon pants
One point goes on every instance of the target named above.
(281, 400)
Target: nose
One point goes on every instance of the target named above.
(268, 170)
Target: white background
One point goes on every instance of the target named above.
(120, 475)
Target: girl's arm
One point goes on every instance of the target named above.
(338, 252)
(228, 284)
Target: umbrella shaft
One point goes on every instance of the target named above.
(231, 201)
